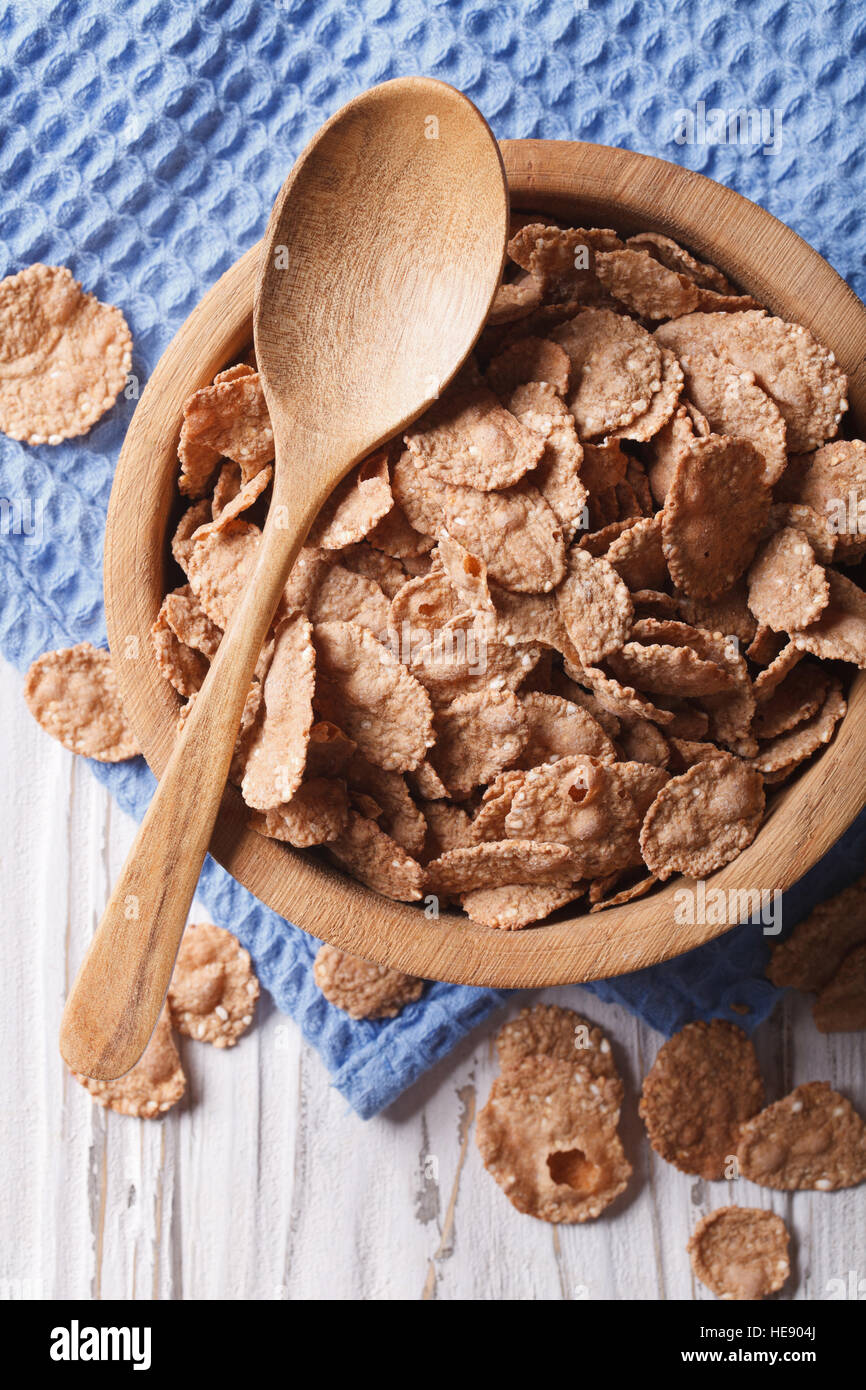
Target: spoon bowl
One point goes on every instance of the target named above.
(381, 260)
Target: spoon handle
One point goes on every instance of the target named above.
(121, 985)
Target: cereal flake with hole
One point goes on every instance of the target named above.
(548, 1136)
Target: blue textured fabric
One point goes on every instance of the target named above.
(142, 144)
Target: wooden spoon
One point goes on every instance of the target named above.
(380, 263)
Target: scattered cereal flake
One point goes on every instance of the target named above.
(278, 749)
(557, 475)
(214, 989)
(548, 1137)
(740, 1253)
(355, 506)
(362, 989)
(376, 700)
(787, 588)
(604, 465)
(816, 948)
(219, 566)
(316, 813)
(399, 816)
(179, 663)
(806, 737)
(512, 906)
(154, 1084)
(637, 556)
(795, 699)
(594, 605)
(768, 680)
(228, 420)
(665, 451)
(371, 856)
(557, 728)
(675, 257)
(561, 1034)
(488, 823)
(841, 1005)
(64, 356)
(714, 514)
(529, 359)
(493, 862)
(596, 809)
(704, 1083)
(477, 736)
(467, 437)
(514, 532)
(328, 750)
(448, 827)
(812, 1139)
(515, 299)
(645, 285)
(626, 895)
(840, 632)
(196, 516)
(735, 405)
(703, 818)
(832, 481)
(663, 403)
(615, 369)
(72, 694)
(189, 622)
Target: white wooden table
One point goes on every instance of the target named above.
(264, 1185)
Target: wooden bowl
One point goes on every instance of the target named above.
(588, 185)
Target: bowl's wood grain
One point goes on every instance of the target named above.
(588, 185)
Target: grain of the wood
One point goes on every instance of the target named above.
(588, 185)
(407, 234)
(262, 1184)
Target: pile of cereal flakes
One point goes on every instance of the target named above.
(555, 641)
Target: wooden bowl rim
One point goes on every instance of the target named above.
(582, 182)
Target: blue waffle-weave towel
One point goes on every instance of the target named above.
(142, 145)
